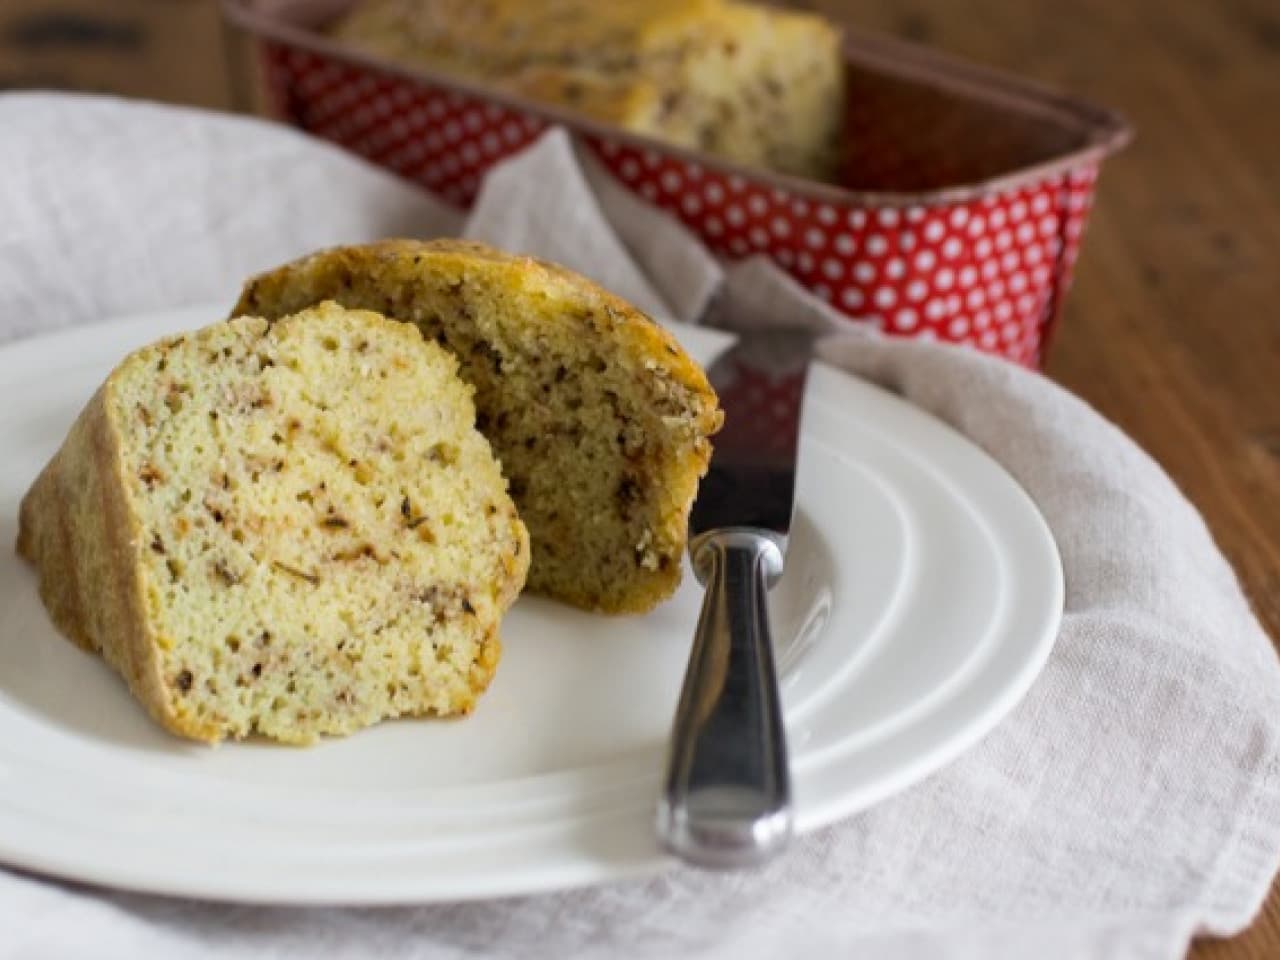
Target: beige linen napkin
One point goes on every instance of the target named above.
(1129, 802)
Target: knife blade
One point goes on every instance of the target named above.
(726, 799)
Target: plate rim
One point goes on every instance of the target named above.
(30, 356)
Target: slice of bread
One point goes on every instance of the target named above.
(600, 419)
(290, 529)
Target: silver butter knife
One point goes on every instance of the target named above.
(726, 799)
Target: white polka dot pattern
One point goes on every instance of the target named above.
(989, 272)
(444, 140)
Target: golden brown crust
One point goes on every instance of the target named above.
(753, 83)
(75, 529)
(95, 531)
(494, 38)
(393, 277)
(635, 330)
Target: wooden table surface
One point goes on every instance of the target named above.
(1173, 327)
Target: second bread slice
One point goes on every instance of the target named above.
(600, 419)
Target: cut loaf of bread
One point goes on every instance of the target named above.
(600, 419)
(290, 529)
(749, 82)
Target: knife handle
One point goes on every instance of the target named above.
(727, 796)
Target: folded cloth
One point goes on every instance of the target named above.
(1129, 802)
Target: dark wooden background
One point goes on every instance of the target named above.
(1173, 328)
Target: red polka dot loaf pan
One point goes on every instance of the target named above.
(959, 212)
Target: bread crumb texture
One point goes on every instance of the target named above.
(290, 529)
(600, 420)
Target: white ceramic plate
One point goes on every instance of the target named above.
(922, 596)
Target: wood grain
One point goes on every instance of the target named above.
(170, 50)
(1173, 327)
